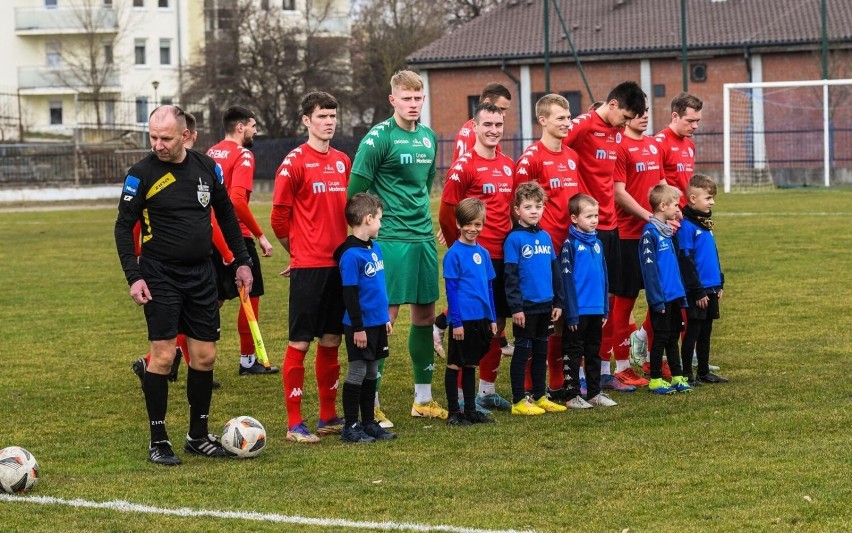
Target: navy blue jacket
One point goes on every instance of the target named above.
(584, 276)
(660, 270)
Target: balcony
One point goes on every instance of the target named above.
(43, 21)
(47, 80)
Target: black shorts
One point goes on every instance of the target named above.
(538, 325)
(377, 344)
(612, 255)
(226, 275)
(474, 346)
(183, 300)
(668, 323)
(500, 304)
(711, 312)
(316, 303)
(631, 273)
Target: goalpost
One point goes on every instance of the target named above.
(786, 133)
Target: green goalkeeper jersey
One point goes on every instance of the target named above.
(400, 167)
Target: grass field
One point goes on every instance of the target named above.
(771, 451)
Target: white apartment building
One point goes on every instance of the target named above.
(63, 56)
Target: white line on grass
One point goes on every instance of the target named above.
(782, 214)
(127, 507)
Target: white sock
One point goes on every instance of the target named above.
(582, 373)
(376, 403)
(641, 334)
(621, 365)
(423, 393)
(605, 368)
(247, 361)
(460, 393)
(486, 388)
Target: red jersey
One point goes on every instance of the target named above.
(311, 186)
(237, 165)
(678, 156)
(596, 143)
(490, 180)
(556, 172)
(638, 166)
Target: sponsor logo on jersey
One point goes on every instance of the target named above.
(424, 158)
(507, 170)
(311, 165)
(373, 268)
(681, 167)
(641, 167)
(528, 250)
(398, 141)
(465, 132)
(131, 185)
(406, 159)
(555, 183)
(328, 169)
(547, 163)
(341, 167)
(618, 138)
(599, 134)
(488, 188)
(426, 142)
(218, 154)
(600, 154)
(477, 258)
(652, 148)
(160, 184)
(318, 187)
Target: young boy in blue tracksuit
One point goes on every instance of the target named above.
(366, 323)
(663, 289)
(586, 303)
(471, 315)
(702, 277)
(535, 297)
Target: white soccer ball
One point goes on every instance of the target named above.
(243, 437)
(18, 470)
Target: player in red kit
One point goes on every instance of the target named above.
(678, 150)
(637, 170)
(485, 173)
(237, 162)
(308, 217)
(595, 136)
(554, 167)
(500, 96)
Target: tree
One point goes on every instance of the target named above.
(88, 64)
(266, 62)
(385, 32)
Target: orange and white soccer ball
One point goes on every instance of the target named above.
(243, 437)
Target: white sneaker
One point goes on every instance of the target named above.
(578, 402)
(438, 341)
(508, 350)
(602, 400)
(712, 368)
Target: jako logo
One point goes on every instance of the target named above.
(600, 154)
(526, 251)
(295, 393)
(641, 167)
(319, 187)
(406, 159)
(488, 188)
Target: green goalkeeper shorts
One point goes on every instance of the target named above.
(411, 271)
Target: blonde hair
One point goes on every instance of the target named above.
(469, 210)
(406, 80)
(663, 194)
(542, 107)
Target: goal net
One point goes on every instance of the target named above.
(787, 134)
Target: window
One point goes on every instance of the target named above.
(55, 112)
(575, 102)
(139, 51)
(472, 102)
(166, 100)
(138, 3)
(109, 107)
(288, 5)
(51, 4)
(142, 109)
(165, 51)
(163, 4)
(108, 59)
(53, 54)
(264, 5)
(108, 3)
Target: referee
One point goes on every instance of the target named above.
(172, 191)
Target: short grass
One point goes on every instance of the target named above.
(771, 451)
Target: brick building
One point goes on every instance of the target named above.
(616, 40)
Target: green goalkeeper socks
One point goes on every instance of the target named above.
(422, 355)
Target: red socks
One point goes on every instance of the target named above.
(293, 378)
(619, 316)
(327, 369)
(489, 364)
(556, 375)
